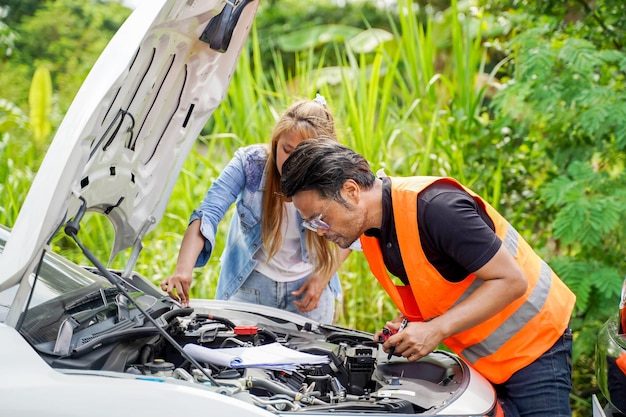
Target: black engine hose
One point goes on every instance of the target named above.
(172, 314)
(276, 388)
(218, 319)
(268, 335)
(146, 354)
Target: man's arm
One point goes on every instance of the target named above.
(503, 283)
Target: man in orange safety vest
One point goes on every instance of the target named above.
(468, 279)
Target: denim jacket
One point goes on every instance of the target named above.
(242, 182)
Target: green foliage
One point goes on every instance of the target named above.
(52, 36)
(591, 209)
(573, 80)
(280, 23)
(7, 36)
(315, 36)
(602, 21)
(591, 233)
(565, 94)
(17, 9)
(11, 116)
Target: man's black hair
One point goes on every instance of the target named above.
(324, 165)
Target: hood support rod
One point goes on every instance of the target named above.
(72, 227)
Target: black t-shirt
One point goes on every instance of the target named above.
(457, 236)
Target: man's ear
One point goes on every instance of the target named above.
(351, 190)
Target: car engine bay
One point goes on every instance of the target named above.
(101, 331)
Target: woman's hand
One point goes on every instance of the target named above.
(315, 286)
(177, 286)
(312, 290)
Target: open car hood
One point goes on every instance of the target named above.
(124, 139)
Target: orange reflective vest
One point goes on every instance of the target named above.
(508, 341)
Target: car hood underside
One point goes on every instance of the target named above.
(122, 143)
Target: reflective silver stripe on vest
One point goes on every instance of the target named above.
(516, 321)
(511, 240)
(473, 287)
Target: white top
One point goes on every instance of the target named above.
(287, 264)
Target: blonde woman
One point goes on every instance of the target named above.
(270, 258)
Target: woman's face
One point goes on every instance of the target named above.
(285, 145)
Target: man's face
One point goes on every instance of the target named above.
(336, 222)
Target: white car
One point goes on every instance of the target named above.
(78, 340)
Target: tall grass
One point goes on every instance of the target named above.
(18, 162)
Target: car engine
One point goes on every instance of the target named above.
(357, 377)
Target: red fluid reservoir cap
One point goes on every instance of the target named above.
(242, 330)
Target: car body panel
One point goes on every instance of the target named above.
(30, 387)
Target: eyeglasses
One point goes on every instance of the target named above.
(316, 223)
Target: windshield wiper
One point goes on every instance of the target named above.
(99, 294)
(64, 337)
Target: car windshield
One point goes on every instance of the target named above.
(60, 288)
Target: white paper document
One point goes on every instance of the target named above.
(271, 356)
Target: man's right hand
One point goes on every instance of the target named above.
(177, 286)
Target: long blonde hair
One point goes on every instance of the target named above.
(307, 119)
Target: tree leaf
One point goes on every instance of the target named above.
(40, 102)
(312, 37)
(368, 40)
